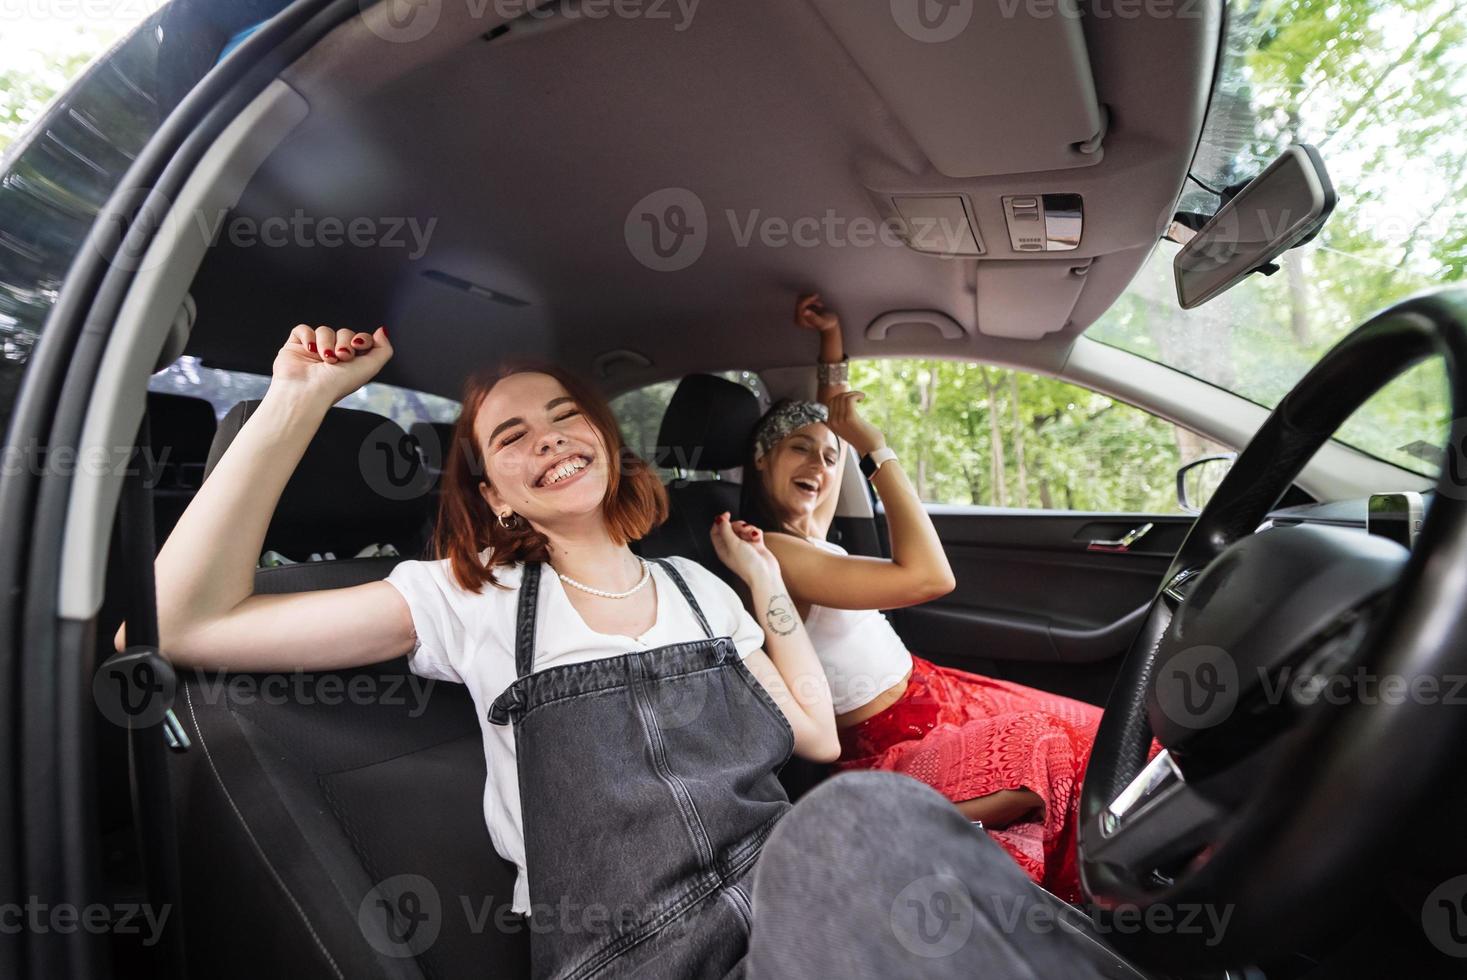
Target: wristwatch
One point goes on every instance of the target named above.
(872, 461)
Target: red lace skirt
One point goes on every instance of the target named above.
(968, 736)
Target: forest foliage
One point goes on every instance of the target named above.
(1380, 88)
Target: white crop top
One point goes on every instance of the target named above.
(861, 653)
(468, 638)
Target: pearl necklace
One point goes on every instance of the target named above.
(641, 582)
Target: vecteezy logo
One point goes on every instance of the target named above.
(932, 21)
(1444, 917)
(1198, 688)
(401, 21)
(678, 701)
(135, 688)
(667, 230)
(1453, 482)
(933, 916)
(401, 916)
(390, 463)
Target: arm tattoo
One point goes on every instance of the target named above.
(780, 615)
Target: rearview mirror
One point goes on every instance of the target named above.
(1282, 207)
(1198, 480)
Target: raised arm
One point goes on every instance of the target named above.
(811, 314)
(787, 667)
(918, 570)
(208, 614)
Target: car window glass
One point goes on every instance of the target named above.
(982, 435)
(57, 176)
(68, 135)
(1381, 90)
(224, 389)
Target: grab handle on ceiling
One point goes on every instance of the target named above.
(941, 322)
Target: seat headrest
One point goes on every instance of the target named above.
(432, 437)
(182, 425)
(707, 424)
(180, 433)
(360, 482)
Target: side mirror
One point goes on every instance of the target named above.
(1281, 208)
(1198, 480)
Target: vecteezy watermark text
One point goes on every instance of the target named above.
(406, 21)
(139, 217)
(668, 230)
(1202, 687)
(937, 914)
(116, 11)
(135, 690)
(301, 230)
(403, 915)
(63, 918)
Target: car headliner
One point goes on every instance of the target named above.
(529, 149)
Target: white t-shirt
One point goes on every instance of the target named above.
(860, 651)
(468, 638)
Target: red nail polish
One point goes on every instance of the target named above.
(384, 331)
(340, 351)
(310, 346)
(357, 341)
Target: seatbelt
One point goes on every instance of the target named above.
(147, 747)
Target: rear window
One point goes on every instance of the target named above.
(639, 411)
(225, 389)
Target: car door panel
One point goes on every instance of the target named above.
(1039, 597)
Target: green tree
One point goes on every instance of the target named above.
(30, 77)
(1380, 86)
(979, 434)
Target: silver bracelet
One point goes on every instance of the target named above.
(833, 374)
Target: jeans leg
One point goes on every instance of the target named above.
(876, 875)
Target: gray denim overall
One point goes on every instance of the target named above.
(648, 783)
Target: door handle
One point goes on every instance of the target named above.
(1122, 544)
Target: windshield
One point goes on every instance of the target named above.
(1381, 89)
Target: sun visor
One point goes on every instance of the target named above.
(984, 88)
(1026, 300)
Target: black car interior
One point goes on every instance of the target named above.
(183, 431)
(317, 799)
(705, 429)
(354, 461)
(292, 809)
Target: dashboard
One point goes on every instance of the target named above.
(1397, 516)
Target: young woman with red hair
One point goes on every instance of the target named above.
(634, 715)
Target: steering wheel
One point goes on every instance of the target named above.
(1297, 679)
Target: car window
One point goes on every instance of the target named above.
(224, 389)
(1381, 91)
(982, 435)
(639, 411)
(57, 176)
(67, 139)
